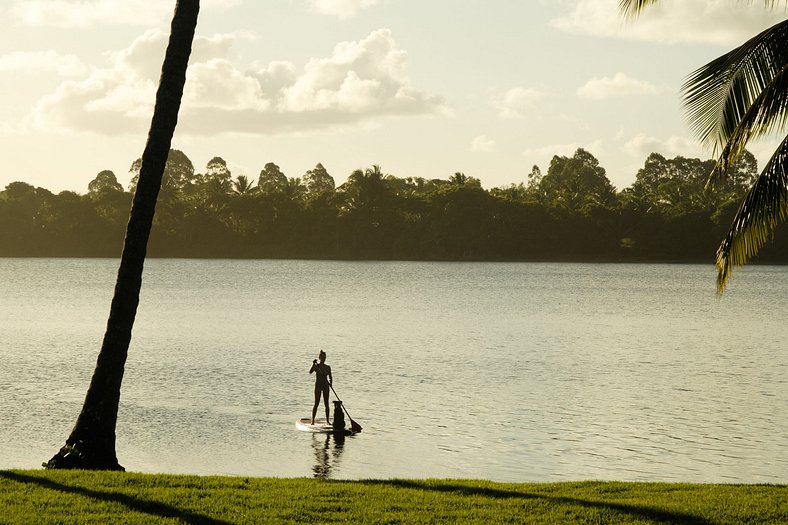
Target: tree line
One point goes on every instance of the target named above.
(570, 213)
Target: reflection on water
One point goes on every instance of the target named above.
(512, 372)
(328, 449)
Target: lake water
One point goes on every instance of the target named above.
(512, 372)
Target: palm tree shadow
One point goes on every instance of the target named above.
(153, 508)
(636, 511)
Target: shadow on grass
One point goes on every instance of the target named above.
(636, 511)
(153, 508)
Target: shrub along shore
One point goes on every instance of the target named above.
(81, 497)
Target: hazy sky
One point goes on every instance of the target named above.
(423, 88)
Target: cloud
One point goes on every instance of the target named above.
(620, 85)
(516, 102)
(87, 13)
(360, 81)
(640, 146)
(482, 144)
(42, 61)
(341, 8)
(721, 22)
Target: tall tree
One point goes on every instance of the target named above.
(577, 183)
(318, 180)
(104, 182)
(272, 180)
(217, 169)
(91, 444)
(737, 97)
(178, 173)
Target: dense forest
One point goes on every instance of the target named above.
(570, 213)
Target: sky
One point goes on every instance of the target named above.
(423, 88)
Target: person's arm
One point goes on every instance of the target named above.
(330, 379)
(314, 366)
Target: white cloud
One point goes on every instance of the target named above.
(620, 85)
(723, 22)
(360, 81)
(641, 146)
(42, 61)
(86, 13)
(341, 8)
(516, 102)
(482, 144)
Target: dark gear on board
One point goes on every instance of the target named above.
(323, 382)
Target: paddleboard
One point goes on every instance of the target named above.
(305, 425)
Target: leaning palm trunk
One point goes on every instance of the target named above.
(91, 444)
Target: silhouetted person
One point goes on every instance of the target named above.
(323, 382)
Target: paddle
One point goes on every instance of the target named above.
(355, 427)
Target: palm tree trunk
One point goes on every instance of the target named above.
(91, 444)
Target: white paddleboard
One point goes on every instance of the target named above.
(305, 425)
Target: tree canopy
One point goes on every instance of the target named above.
(573, 212)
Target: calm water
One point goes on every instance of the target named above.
(513, 372)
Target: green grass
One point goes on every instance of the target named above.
(78, 497)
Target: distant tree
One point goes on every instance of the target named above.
(535, 176)
(461, 179)
(23, 208)
(741, 176)
(216, 168)
(512, 192)
(214, 186)
(20, 190)
(91, 444)
(109, 200)
(458, 179)
(422, 186)
(576, 183)
(318, 180)
(459, 225)
(295, 188)
(677, 186)
(242, 185)
(178, 173)
(365, 189)
(534, 185)
(105, 182)
(673, 186)
(272, 180)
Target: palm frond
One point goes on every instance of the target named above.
(764, 206)
(718, 95)
(768, 112)
(632, 8)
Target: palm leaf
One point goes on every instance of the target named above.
(764, 206)
(632, 8)
(718, 95)
(768, 112)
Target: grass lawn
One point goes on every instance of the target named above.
(79, 497)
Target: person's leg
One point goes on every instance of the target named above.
(317, 402)
(325, 402)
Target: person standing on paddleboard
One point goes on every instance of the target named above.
(323, 382)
